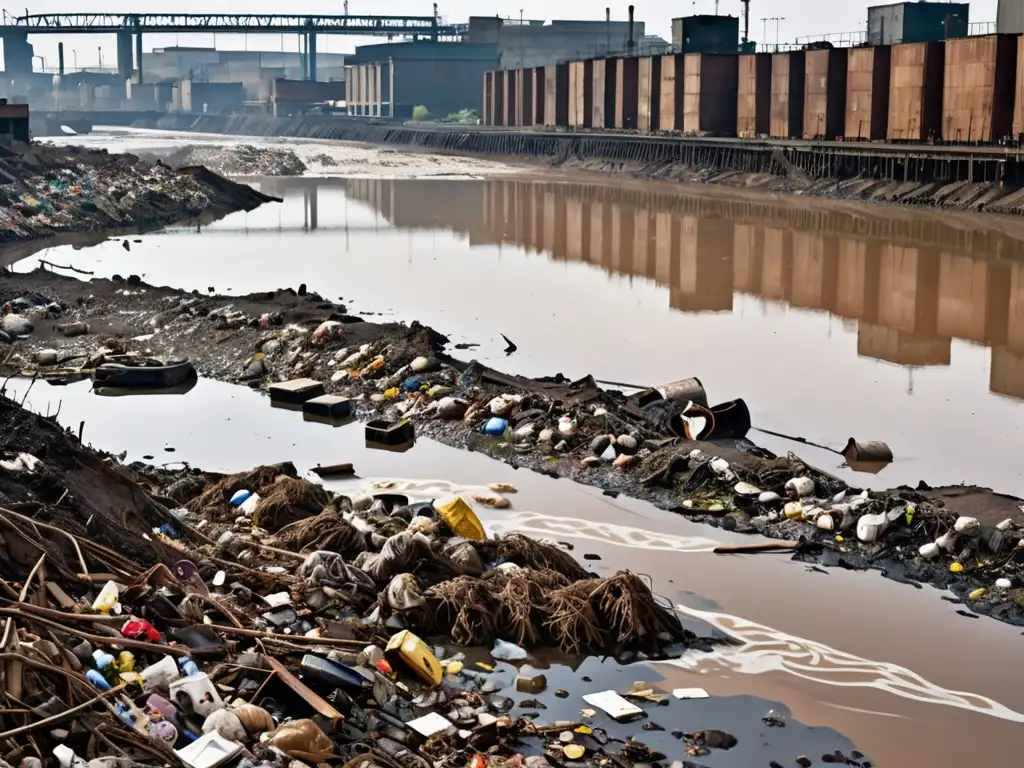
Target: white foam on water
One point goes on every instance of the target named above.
(766, 650)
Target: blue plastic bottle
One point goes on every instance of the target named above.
(96, 679)
(188, 667)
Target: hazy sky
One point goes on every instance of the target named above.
(802, 17)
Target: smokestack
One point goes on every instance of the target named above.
(630, 42)
(60, 59)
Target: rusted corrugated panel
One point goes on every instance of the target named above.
(526, 97)
(588, 94)
(627, 74)
(499, 98)
(573, 120)
(754, 95)
(915, 92)
(787, 111)
(671, 107)
(867, 93)
(598, 114)
(561, 76)
(646, 94)
(511, 104)
(550, 95)
(540, 96)
(488, 104)
(825, 93)
(978, 86)
(710, 93)
(1018, 102)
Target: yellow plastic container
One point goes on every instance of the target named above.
(407, 648)
(461, 518)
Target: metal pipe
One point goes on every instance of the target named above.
(630, 42)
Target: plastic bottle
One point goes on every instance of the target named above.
(107, 599)
(102, 659)
(188, 667)
(97, 679)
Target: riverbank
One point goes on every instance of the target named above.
(947, 177)
(57, 192)
(565, 429)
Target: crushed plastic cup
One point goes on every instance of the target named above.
(106, 599)
(505, 651)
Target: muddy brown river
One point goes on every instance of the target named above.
(829, 319)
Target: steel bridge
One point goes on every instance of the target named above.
(14, 31)
(240, 23)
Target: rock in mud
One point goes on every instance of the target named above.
(451, 408)
(715, 739)
(626, 444)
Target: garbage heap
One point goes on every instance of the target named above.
(51, 190)
(242, 160)
(180, 618)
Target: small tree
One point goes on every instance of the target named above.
(464, 116)
(420, 113)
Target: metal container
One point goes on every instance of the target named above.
(627, 78)
(825, 93)
(710, 93)
(787, 112)
(867, 93)
(754, 96)
(599, 91)
(978, 88)
(671, 89)
(648, 93)
(915, 92)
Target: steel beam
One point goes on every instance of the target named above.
(248, 23)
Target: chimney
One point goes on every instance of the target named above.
(630, 42)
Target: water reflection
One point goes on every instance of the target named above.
(910, 281)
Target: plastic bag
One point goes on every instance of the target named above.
(503, 651)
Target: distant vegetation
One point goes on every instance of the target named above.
(419, 113)
(464, 116)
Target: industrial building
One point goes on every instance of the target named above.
(391, 79)
(1010, 17)
(706, 34)
(917, 22)
(533, 43)
(940, 85)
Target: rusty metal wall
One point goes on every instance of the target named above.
(561, 111)
(648, 94)
(575, 93)
(488, 115)
(627, 77)
(1018, 102)
(539, 96)
(588, 94)
(499, 98)
(511, 104)
(825, 93)
(526, 100)
(915, 91)
(867, 93)
(978, 88)
(671, 106)
(787, 110)
(710, 93)
(754, 95)
(597, 94)
(550, 95)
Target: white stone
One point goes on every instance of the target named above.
(1003, 583)
(768, 497)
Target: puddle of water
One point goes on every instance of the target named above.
(924, 671)
(829, 321)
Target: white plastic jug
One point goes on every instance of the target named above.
(871, 527)
(200, 691)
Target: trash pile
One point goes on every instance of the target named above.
(241, 160)
(156, 617)
(667, 444)
(56, 190)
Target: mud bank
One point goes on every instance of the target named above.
(560, 428)
(958, 178)
(53, 192)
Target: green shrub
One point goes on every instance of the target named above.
(420, 113)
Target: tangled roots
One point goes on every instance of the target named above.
(288, 500)
(328, 531)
